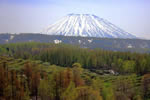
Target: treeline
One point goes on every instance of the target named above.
(66, 55)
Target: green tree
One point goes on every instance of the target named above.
(44, 90)
(70, 93)
(128, 66)
(77, 71)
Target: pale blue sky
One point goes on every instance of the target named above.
(33, 15)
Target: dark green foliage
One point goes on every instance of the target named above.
(66, 55)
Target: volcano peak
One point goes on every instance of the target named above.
(86, 25)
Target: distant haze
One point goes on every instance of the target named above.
(29, 16)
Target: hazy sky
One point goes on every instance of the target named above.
(24, 16)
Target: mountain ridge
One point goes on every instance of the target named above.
(113, 44)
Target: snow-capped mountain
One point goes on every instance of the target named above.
(86, 25)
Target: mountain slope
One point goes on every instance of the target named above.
(86, 25)
(115, 44)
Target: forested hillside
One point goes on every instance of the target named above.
(113, 44)
(65, 55)
(44, 71)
